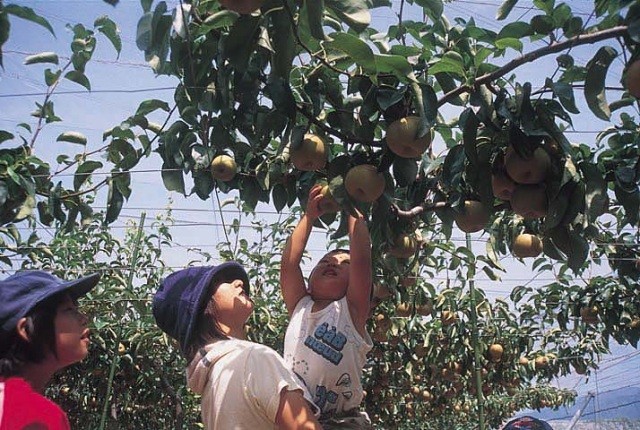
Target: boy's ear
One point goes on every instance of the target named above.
(21, 328)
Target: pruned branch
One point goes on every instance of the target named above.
(534, 55)
(418, 210)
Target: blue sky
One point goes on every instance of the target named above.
(120, 83)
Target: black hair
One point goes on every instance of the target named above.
(15, 352)
(206, 332)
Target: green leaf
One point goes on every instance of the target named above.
(109, 28)
(146, 5)
(221, 19)
(430, 103)
(26, 209)
(284, 45)
(280, 197)
(505, 8)
(72, 137)
(148, 106)
(405, 171)
(28, 14)
(596, 198)
(395, 64)
(355, 13)
(594, 85)
(144, 32)
(387, 97)
(565, 61)
(4, 136)
(357, 49)
(451, 62)
(564, 92)
(578, 251)
(42, 57)
(115, 200)
(542, 24)
(84, 172)
(50, 77)
(433, 8)
(509, 42)
(172, 178)
(515, 30)
(79, 78)
(240, 42)
(315, 17)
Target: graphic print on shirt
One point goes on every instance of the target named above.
(327, 342)
(344, 382)
(323, 397)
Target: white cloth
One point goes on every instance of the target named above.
(240, 383)
(326, 351)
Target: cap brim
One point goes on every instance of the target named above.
(234, 270)
(79, 287)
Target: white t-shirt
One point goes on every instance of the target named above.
(326, 351)
(240, 383)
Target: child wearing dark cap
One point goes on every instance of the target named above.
(244, 385)
(41, 332)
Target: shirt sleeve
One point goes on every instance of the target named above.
(266, 375)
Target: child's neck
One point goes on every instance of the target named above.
(320, 304)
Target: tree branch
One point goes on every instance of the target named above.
(332, 131)
(534, 55)
(418, 210)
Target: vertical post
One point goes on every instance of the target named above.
(474, 340)
(580, 410)
(116, 356)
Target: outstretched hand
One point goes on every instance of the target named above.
(313, 210)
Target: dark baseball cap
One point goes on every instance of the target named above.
(183, 294)
(21, 292)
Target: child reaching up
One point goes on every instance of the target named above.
(326, 342)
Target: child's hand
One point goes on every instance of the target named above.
(314, 210)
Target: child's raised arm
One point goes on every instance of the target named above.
(291, 278)
(360, 272)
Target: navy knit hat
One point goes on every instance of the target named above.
(183, 295)
(21, 292)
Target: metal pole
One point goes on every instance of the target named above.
(475, 342)
(578, 414)
(116, 356)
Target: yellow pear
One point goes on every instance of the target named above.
(529, 201)
(632, 79)
(364, 183)
(401, 138)
(405, 246)
(223, 168)
(495, 352)
(310, 155)
(589, 314)
(526, 245)
(328, 204)
(532, 170)
(474, 217)
(502, 185)
(448, 318)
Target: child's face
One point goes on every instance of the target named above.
(330, 278)
(232, 303)
(71, 332)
